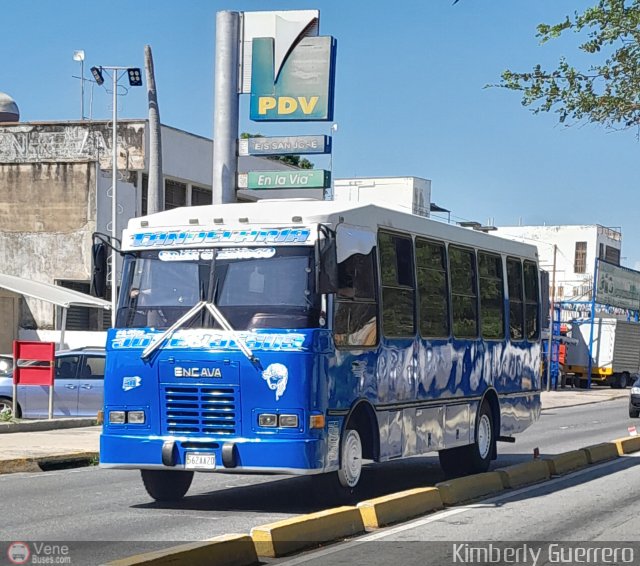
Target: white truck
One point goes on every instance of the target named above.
(615, 354)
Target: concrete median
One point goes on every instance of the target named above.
(400, 506)
(291, 535)
(526, 473)
(459, 490)
(601, 452)
(226, 550)
(566, 462)
(627, 445)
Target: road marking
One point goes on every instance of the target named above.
(383, 533)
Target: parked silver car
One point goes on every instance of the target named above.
(78, 387)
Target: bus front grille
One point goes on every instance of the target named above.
(199, 410)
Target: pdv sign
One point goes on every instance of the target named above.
(302, 89)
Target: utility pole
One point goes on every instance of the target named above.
(226, 108)
(155, 193)
(552, 306)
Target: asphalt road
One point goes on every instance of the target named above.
(91, 504)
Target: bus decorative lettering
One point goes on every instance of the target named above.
(192, 238)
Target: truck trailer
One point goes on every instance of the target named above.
(615, 353)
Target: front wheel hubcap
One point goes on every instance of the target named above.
(351, 465)
(484, 436)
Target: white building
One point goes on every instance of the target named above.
(578, 247)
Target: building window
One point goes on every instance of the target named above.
(175, 194)
(612, 255)
(580, 261)
(433, 288)
(601, 251)
(464, 294)
(200, 196)
(491, 296)
(398, 287)
(144, 194)
(82, 318)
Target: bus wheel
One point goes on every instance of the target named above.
(350, 460)
(474, 458)
(164, 485)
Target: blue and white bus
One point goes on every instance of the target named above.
(305, 337)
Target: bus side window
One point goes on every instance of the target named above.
(398, 285)
(464, 294)
(356, 306)
(433, 288)
(516, 299)
(491, 296)
(531, 309)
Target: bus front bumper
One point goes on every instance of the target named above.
(273, 456)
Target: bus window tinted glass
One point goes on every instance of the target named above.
(516, 314)
(464, 298)
(398, 288)
(531, 311)
(433, 307)
(356, 279)
(491, 296)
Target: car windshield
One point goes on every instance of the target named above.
(253, 287)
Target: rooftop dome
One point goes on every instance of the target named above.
(8, 109)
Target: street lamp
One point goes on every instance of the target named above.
(78, 55)
(135, 79)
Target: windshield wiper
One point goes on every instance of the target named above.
(220, 319)
(169, 331)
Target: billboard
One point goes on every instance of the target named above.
(298, 179)
(618, 286)
(301, 89)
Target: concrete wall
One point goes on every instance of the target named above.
(47, 216)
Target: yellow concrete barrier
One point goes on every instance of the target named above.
(291, 535)
(400, 506)
(526, 473)
(471, 487)
(567, 462)
(226, 550)
(627, 444)
(601, 452)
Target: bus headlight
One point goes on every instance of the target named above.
(135, 417)
(117, 417)
(268, 420)
(288, 421)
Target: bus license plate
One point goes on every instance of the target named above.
(197, 460)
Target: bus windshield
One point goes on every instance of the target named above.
(253, 287)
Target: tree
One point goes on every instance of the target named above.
(608, 91)
(293, 160)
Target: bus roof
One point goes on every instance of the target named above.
(308, 212)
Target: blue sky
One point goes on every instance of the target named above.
(410, 96)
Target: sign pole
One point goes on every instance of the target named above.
(593, 322)
(226, 108)
(553, 300)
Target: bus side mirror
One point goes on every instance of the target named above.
(99, 270)
(328, 266)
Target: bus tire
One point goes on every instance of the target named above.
(342, 486)
(474, 458)
(165, 485)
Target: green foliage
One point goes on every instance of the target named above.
(6, 416)
(293, 160)
(608, 91)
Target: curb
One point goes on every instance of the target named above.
(525, 473)
(225, 550)
(43, 425)
(288, 536)
(566, 462)
(398, 507)
(627, 445)
(40, 463)
(467, 488)
(601, 452)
